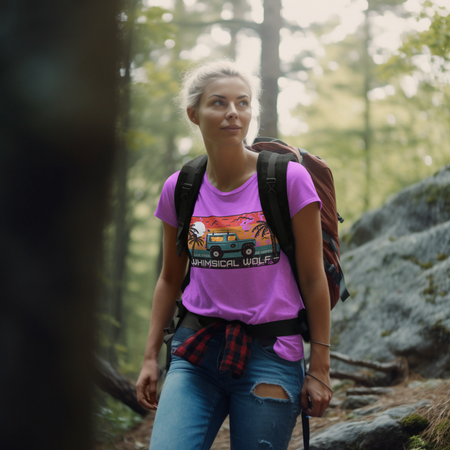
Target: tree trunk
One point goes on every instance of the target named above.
(239, 8)
(270, 67)
(119, 252)
(122, 225)
(57, 113)
(367, 134)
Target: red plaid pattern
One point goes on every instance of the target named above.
(237, 347)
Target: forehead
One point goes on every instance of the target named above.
(227, 86)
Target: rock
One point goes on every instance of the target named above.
(427, 384)
(384, 432)
(358, 401)
(417, 208)
(433, 384)
(397, 266)
(361, 412)
(369, 391)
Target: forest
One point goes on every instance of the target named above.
(364, 84)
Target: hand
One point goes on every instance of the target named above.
(146, 385)
(315, 396)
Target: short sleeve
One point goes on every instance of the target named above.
(300, 187)
(166, 205)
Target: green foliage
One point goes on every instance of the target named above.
(407, 133)
(444, 428)
(112, 419)
(414, 424)
(103, 341)
(149, 30)
(434, 42)
(417, 443)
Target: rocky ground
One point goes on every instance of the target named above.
(343, 409)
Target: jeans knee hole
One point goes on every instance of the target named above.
(270, 391)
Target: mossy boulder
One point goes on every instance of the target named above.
(398, 272)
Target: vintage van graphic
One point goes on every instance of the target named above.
(232, 242)
(220, 243)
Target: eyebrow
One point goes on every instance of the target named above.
(222, 96)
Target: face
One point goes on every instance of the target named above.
(224, 113)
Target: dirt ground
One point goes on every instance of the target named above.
(408, 392)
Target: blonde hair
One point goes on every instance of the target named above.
(195, 81)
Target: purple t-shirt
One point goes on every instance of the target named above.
(238, 271)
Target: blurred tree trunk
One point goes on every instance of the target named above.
(367, 132)
(58, 110)
(239, 8)
(122, 226)
(270, 66)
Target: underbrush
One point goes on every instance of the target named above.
(112, 419)
(436, 435)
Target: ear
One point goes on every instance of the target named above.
(192, 114)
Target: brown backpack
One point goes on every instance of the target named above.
(272, 166)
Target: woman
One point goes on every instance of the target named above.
(264, 388)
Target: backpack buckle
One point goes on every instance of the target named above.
(271, 183)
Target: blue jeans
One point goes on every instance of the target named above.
(196, 400)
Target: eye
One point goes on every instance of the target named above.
(218, 102)
(244, 103)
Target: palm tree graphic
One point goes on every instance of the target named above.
(263, 229)
(194, 238)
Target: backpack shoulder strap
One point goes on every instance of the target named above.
(186, 193)
(272, 186)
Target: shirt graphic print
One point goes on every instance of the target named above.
(232, 242)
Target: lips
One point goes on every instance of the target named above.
(231, 127)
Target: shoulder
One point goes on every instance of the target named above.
(171, 182)
(168, 190)
(166, 205)
(300, 187)
(297, 172)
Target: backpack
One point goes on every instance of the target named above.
(273, 159)
(271, 168)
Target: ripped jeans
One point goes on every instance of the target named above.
(196, 400)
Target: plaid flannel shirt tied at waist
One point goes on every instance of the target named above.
(237, 347)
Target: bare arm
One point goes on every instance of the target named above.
(166, 292)
(314, 289)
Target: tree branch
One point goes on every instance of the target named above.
(364, 379)
(395, 370)
(116, 385)
(395, 366)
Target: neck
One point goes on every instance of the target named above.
(229, 167)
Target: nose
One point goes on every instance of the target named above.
(231, 112)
